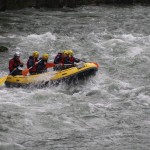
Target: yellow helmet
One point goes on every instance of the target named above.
(45, 56)
(65, 52)
(36, 54)
(70, 52)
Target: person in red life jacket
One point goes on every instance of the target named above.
(15, 65)
(61, 59)
(72, 59)
(32, 61)
(65, 58)
(41, 66)
(69, 60)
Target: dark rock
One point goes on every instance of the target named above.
(3, 49)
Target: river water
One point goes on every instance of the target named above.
(110, 110)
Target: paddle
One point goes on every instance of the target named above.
(3, 79)
(26, 71)
(49, 65)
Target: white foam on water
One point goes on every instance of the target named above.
(11, 146)
(13, 36)
(134, 51)
(144, 98)
(45, 36)
(2, 37)
(32, 42)
(3, 73)
(44, 77)
(128, 37)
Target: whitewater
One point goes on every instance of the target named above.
(109, 111)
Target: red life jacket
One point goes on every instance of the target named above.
(13, 63)
(62, 60)
(34, 60)
(71, 59)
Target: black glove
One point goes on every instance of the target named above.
(21, 65)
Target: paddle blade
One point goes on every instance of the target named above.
(49, 65)
(25, 72)
(2, 80)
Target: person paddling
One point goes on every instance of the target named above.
(32, 61)
(72, 59)
(41, 66)
(15, 65)
(61, 59)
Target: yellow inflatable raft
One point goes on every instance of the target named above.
(80, 72)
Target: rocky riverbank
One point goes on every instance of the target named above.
(19, 4)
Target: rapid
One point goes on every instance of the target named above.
(110, 110)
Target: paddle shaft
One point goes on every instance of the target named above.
(26, 71)
(35, 64)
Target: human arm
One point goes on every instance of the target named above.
(11, 65)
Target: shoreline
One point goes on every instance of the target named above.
(21, 4)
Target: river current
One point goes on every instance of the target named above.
(110, 110)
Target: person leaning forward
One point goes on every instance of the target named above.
(32, 62)
(15, 65)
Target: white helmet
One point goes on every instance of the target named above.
(17, 54)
